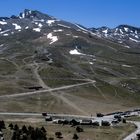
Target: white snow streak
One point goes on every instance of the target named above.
(64, 26)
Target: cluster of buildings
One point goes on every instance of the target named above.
(100, 120)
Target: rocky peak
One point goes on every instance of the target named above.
(33, 14)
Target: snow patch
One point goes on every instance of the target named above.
(52, 38)
(75, 52)
(136, 32)
(3, 22)
(40, 25)
(127, 47)
(91, 63)
(136, 36)
(126, 29)
(134, 40)
(81, 28)
(42, 20)
(36, 23)
(49, 22)
(75, 36)
(23, 15)
(1, 45)
(64, 26)
(59, 30)
(4, 31)
(26, 27)
(84, 32)
(128, 66)
(105, 31)
(5, 34)
(121, 31)
(17, 27)
(37, 29)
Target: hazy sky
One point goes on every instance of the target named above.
(90, 13)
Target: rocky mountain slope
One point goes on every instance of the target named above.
(40, 52)
(123, 34)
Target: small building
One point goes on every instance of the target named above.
(85, 122)
(74, 122)
(48, 118)
(58, 121)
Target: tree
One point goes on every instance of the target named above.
(124, 120)
(79, 129)
(43, 129)
(30, 128)
(50, 138)
(58, 134)
(95, 123)
(138, 136)
(99, 115)
(23, 137)
(73, 122)
(105, 123)
(13, 136)
(11, 126)
(75, 137)
(16, 127)
(2, 125)
(24, 129)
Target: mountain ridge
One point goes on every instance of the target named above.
(123, 34)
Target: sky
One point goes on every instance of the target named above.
(89, 13)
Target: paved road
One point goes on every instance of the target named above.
(39, 114)
(44, 91)
(133, 136)
(19, 114)
(99, 119)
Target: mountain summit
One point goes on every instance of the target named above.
(33, 14)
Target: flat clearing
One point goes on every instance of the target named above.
(90, 133)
